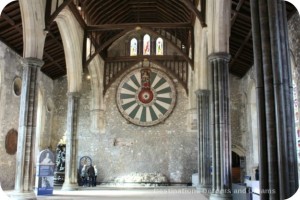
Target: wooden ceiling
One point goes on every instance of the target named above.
(104, 20)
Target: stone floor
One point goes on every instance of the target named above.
(119, 193)
(129, 194)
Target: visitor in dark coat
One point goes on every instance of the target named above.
(91, 174)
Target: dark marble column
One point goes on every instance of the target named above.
(27, 126)
(277, 145)
(220, 128)
(70, 182)
(204, 155)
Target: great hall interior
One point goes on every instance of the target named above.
(199, 94)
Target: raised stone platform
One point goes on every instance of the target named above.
(143, 179)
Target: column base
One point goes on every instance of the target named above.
(215, 196)
(69, 186)
(22, 195)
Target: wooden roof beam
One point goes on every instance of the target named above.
(238, 7)
(149, 57)
(193, 8)
(77, 15)
(11, 22)
(103, 46)
(55, 13)
(6, 30)
(107, 27)
(55, 39)
(241, 48)
(8, 19)
(54, 61)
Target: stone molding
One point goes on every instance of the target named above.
(201, 92)
(74, 94)
(219, 55)
(32, 62)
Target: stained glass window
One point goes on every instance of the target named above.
(146, 46)
(159, 47)
(133, 47)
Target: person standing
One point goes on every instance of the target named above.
(91, 174)
(96, 173)
(257, 174)
(84, 175)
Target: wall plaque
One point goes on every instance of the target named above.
(11, 141)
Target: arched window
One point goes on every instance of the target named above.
(159, 46)
(133, 47)
(146, 46)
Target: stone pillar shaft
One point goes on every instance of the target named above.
(97, 121)
(27, 124)
(220, 132)
(278, 159)
(204, 154)
(71, 145)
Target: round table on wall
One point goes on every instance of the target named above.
(146, 96)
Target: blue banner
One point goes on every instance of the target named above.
(45, 173)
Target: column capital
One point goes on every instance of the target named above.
(219, 55)
(73, 94)
(201, 92)
(32, 62)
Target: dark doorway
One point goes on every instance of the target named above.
(236, 168)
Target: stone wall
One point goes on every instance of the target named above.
(243, 126)
(294, 42)
(165, 148)
(60, 103)
(44, 112)
(126, 148)
(10, 68)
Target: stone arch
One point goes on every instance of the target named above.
(72, 38)
(40, 120)
(33, 22)
(253, 117)
(40, 123)
(238, 172)
(96, 68)
(238, 150)
(253, 139)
